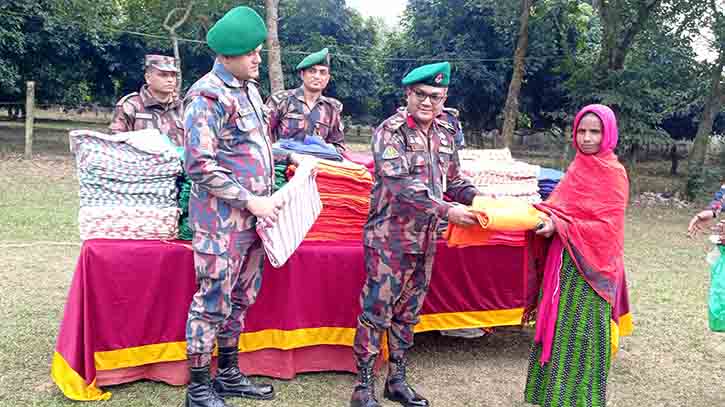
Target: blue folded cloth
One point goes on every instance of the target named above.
(550, 174)
(312, 145)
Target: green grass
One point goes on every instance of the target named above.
(672, 359)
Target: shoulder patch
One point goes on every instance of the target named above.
(126, 98)
(453, 112)
(390, 153)
(202, 92)
(336, 104)
(394, 122)
(444, 124)
(279, 96)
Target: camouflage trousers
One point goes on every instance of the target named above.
(229, 274)
(391, 299)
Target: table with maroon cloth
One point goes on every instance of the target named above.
(126, 310)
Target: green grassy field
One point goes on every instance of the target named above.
(671, 360)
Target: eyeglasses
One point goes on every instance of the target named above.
(421, 96)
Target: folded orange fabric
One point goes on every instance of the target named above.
(506, 214)
(345, 194)
(501, 221)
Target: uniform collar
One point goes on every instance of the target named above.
(411, 123)
(299, 93)
(149, 100)
(226, 76)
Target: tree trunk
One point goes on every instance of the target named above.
(618, 35)
(276, 77)
(511, 109)
(171, 28)
(675, 159)
(696, 159)
(177, 57)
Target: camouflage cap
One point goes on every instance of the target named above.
(160, 62)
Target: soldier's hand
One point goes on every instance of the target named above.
(295, 159)
(460, 215)
(266, 208)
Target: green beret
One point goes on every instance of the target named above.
(239, 32)
(318, 58)
(438, 74)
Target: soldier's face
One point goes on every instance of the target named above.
(160, 82)
(315, 78)
(244, 67)
(424, 101)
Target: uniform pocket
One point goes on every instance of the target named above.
(247, 121)
(211, 258)
(418, 163)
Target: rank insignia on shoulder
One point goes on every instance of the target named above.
(144, 116)
(390, 152)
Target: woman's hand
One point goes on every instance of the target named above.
(548, 228)
(699, 222)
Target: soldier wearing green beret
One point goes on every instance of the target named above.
(304, 111)
(416, 162)
(229, 158)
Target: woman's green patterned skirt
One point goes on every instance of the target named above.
(576, 374)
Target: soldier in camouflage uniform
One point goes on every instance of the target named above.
(156, 105)
(229, 158)
(304, 111)
(416, 162)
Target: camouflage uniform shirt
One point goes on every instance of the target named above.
(413, 171)
(292, 118)
(450, 115)
(140, 110)
(228, 154)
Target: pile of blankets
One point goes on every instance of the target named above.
(128, 184)
(548, 180)
(496, 174)
(344, 189)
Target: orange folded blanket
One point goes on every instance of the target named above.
(500, 221)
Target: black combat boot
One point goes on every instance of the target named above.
(230, 382)
(364, 393)
(200, 392)
(397, 388)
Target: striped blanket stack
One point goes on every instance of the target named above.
(496, 174)
(127, 184)
(301, 207)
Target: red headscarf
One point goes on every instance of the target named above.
(588, 207)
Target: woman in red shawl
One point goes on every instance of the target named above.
(576, 328)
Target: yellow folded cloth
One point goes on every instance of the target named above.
(506, 214)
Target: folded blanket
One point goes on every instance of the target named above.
(118, 222)
(500, 219)
(301, 208)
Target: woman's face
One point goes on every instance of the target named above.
(589, 134)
